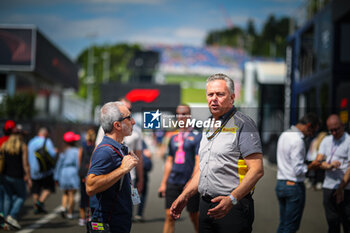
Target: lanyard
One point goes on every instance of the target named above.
(218, 130)
(113, 148)
(181, 140)
(333, 149)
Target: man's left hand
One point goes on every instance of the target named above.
(222, 208)
(339, 195)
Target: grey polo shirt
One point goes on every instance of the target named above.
(219, 156)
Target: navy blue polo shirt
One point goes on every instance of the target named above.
(181, 173)
(114, 205)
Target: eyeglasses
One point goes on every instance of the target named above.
(183, 113)
(333, 130)
(127, 117)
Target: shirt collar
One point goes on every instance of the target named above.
(119, 146)
(226, 115)
(341, 139)
(293, 128)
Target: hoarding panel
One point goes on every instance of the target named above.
(17, 47)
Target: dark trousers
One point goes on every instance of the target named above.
(337, 214)
(143, 194)
(84, 198)
(315, 176)
(238, 220)
(291, 200)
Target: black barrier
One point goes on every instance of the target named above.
(142, 95)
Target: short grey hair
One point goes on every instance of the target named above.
(110, 113)
(229, 82)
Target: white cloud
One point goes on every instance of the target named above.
(148, 2)
(57, 2)
(240, 19)
(190, 33)
(104, 26)
(285, 1)
(190, 36)
(66, 33)
(279, 10)
(59, 28)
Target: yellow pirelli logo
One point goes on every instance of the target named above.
(229, 130)
(242, 169)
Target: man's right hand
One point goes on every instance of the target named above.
(314, 164)
(177, 207)
(161, 190)
(335, 164)
(129, 162)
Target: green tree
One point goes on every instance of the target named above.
(18, 107)
(251, 31)
(229, 37)
(271, 42)
(119, 55)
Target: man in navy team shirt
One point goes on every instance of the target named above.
(181, 163)
(108, 181)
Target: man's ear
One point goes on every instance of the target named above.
(309, 127)
(117, 125)
(232, 97)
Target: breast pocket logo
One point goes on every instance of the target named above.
(151, 120)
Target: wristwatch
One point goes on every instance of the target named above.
(233, 200)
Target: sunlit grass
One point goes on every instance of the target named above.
(191, 95)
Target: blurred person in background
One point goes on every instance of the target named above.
(147, 167)
(162, 149)
(158, 135)
(42, 180)
(9, 126)
(66, 173)
(291, 170)
(314, 177)
(334, 157)
(134, 144)
(85, 153)
(181, 163)
(15, 176)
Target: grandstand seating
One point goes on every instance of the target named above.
(194, 59)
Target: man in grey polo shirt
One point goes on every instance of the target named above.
(334, 157)
(230, 165)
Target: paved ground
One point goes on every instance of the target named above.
(266, 211)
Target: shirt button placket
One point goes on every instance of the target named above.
(207, 167)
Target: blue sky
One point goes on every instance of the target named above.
(73, 25)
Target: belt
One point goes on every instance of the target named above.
(208, 198)
(290, 182)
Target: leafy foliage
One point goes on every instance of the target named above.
(271, 42)
(19, 106)
(119, 55)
